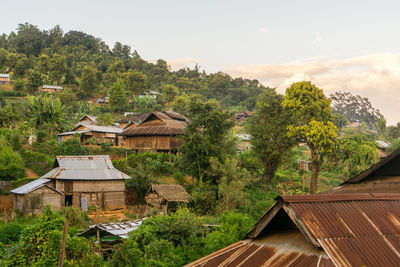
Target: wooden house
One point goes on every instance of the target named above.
(101, 134)
(51, 88)
(75, 181)
(319, 230)
(159, 131)
(4, 78)
(166, 196)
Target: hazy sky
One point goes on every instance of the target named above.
(339, 45)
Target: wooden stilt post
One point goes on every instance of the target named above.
(98, 236)
(63, 241)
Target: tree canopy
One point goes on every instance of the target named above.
(312, 123)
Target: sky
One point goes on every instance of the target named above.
(339, 45)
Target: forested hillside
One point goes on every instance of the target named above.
(91, 67)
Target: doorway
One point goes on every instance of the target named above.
(68, 200)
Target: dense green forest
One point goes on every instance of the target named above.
(337, 134)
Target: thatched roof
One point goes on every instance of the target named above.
(159, 123)
(171, 192)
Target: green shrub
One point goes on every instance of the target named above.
(8, 93)
(10, 232)
(70, 147)
(11, 163)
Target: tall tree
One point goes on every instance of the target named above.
(118, 98)
(88, 82)
(312, 123)
(135, 82)
(35, 79)
(205, 138)
(355, 108)
(268, 128)
(57, 67)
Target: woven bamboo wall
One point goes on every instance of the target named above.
(148, 142)
(98, 186)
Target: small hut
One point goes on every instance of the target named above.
(4, 78)
(101, 134)
(166, 196)
(109, 234)
(51, 88)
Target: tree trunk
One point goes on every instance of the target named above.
(315, 166)
(314, 176)
(267, 175)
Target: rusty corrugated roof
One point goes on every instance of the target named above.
(281, 249)
(332, 229)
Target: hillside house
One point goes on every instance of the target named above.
(4, 78)
(243, 142)
(382, 147)
(159, 131)
(88, 119)
(51, 88)
(319, 230)
(167, 196)
(101, 134)
(152, 94)
(75, 181)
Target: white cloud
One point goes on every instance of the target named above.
(180, 63)
(376, 76)
(264, 30)
(317, 39)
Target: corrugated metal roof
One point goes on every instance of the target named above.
(102, 129)
(281, 249)
(97, 167)
(92, 118)
(72, 133)
(121, 229)
(353, 229)
(55, 87)
(29, 187)
(320, 230)
(243, 137)
(2, 75)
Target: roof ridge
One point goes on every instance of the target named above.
(339, 197)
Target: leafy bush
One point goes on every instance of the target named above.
(39, 245)
(70, 147)
(140, 182)
(10, 232)
(11, 164)
(8, 93)
(179, 238)
(204, 198)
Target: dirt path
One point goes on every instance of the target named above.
(30, 173)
